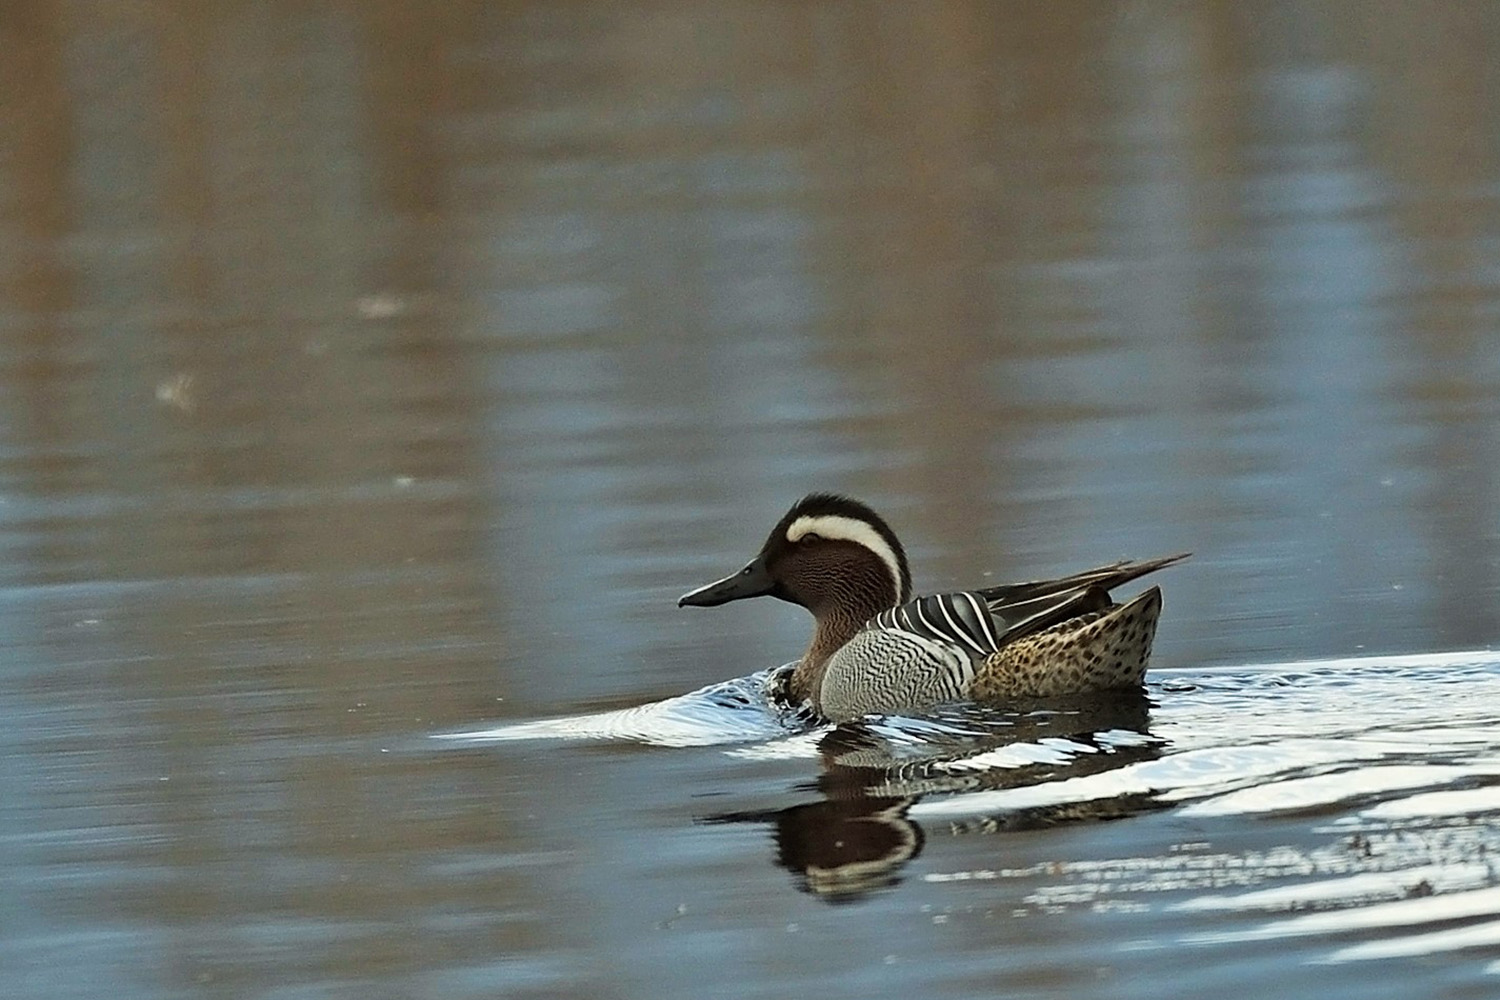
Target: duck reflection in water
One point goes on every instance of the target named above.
(858, 836)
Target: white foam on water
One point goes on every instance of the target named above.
(1400, 913)
(1349, 888)
(1463, 802)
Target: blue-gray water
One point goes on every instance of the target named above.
(379, 374)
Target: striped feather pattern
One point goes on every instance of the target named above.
(960, 619)
(893, 670)
(946, 647)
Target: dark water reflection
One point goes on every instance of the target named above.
(374, 371)
(858, 837)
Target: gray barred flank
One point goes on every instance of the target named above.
(893, 669)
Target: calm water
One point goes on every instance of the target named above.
(376, 376)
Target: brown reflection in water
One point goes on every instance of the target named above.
(252, 537)
(857, 838)
(923, 220)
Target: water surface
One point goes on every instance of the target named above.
(377, 373)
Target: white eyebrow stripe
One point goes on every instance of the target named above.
(849, 529)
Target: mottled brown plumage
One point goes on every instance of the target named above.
(1098, 651)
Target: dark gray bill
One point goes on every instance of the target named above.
(752, 581)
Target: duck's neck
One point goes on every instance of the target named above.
(835, 627)
(841, 607)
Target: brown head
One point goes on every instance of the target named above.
(832, 555)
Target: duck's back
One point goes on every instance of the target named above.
(946, 648)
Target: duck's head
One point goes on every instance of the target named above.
(830, 554)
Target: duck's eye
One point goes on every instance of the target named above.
(812, 536)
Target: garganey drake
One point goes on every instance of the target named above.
(876, 650)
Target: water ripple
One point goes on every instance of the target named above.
(1390, 767)
(741, 710)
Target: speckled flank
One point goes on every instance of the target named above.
(1094, 652)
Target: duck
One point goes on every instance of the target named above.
(877, 650)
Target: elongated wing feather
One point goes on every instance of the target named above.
(1017, 603)
(1062, 608)
(980, 622)
(959, 619)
